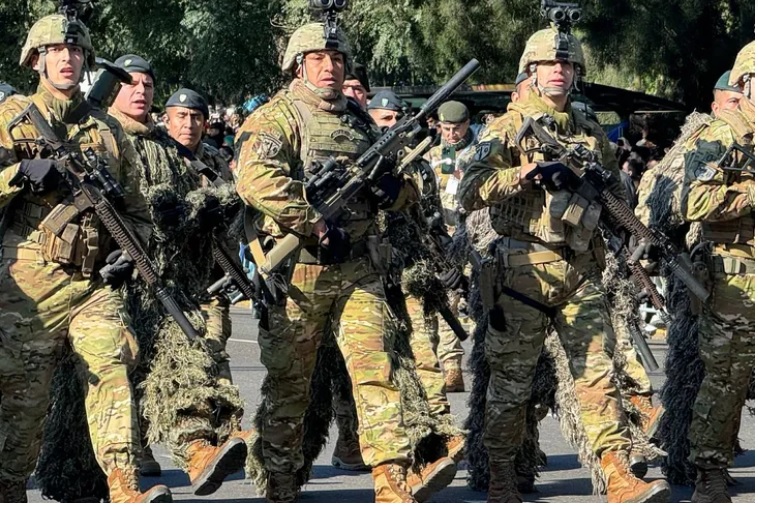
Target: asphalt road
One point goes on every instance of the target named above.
(563, 481)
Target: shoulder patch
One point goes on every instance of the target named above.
(705, 173)
(483, 150)
(267, 145)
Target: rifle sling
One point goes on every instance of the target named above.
(539, 306)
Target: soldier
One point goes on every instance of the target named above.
(723, 202)
(49, 286)
(385, 109)
(356, 85)
(550, 265)
(196, 440)
(725, 97)
(333, 279)
(522, 87)
(456, 135)
(186, 114)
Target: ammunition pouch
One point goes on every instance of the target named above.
(380, 253)
(489, 284)
(702, 267)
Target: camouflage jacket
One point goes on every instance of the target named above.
(277, 144)
(23, 220)
(724, 201)
(526, 212)
(445, 161)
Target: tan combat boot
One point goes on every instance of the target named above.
(710, 486)
(456, 448)
(623, 486)
(432, 478)
(390, 484)
(347, 453)
(453, 375)
(503, 482)
(123, 486)
(208, 465)
(282, 487)
(651, 415)
(13, 491)
(148, 466)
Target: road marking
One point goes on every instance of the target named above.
(242, 340)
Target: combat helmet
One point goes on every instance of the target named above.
(744, 65)
(543, 45)
(312, 37)
(56, 29)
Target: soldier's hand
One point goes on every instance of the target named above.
(118, 269)
(525, 173)
(452, 279)
(386, 190)
(553, 176)
(41, 175)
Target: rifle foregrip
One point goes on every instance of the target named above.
(643, 350)
(176, 313)
(681, 268)
(233, 271)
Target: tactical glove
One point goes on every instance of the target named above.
(118, 269)
(554, 176)
(337, 242)
(386, 190)
(452, 279)
(41, 174)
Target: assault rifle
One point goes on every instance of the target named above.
(92, 187)
(738, 158)
(332, 184)
(591, 185)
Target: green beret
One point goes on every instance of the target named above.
(452, 112)
(359, 73)
(386, 99)
(185, 97)
(723, 83)
(133, 63)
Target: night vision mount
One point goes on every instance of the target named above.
(327, 10)
(76, 9)
(563, 15)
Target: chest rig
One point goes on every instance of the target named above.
(49, 227)
(344, 135)
(556, 218)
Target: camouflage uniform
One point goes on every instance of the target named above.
(277, 143)
(557, 265)
(723, 202)
(46, 299)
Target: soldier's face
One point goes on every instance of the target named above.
(354, 89)
(384, 117)
(185, 126)
(521, 90)
(63, 64)
(136, 99)
(724, 100)
(325, 69)
(454, 132)
(555, 77)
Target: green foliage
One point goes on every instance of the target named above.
(229, 48)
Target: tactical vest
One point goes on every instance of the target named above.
(555, 218)
(47, 228)
(326, 134)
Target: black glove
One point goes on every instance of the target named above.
(554, 176)
(337, 242)
(118, 269)
(42, 175)
(386, 190)
(211, 214)
(452, 279)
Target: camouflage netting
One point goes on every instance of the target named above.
(553, 387)
(171, 376)
(426, 431)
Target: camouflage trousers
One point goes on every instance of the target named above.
(41, 305)
(203, 421)
(727, 347)
(424, 341)
(632, 363)
(583, 325)
(447, 346)
(350, 298)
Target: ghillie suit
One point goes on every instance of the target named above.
(426, 430)
(174, 381)
(684, 367)
(553, 386)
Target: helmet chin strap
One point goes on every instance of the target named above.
(549, 91)
(322, 93)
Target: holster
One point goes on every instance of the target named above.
(702, 271)
(488, 281)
